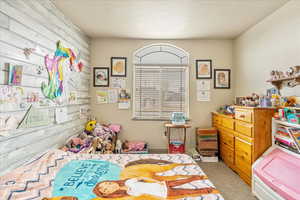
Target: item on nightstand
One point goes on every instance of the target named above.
(176, 147)
(178, 118)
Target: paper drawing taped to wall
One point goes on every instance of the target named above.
(35, 117)
(10, 97)
(55, 67)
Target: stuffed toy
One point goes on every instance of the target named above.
(118, 146)
(133, 146)
(89, 127)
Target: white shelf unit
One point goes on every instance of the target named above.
(260, 189)
(279, 123)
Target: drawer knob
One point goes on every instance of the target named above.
(242, 116)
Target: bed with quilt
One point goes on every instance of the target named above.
(59, 175)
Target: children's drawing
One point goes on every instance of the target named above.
(15, 74)
(35, 117)
(55, 65)
(10, 97)
(7, 123)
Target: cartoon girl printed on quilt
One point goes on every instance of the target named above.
(137, 187)
(138, 180)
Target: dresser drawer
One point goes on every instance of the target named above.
(245, 176)
(243, 166)
(243, 115)
(227, 154)
(228, 123)
(226, 138)
(244, 128)
(243, 150)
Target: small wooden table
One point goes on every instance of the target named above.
(169, 126)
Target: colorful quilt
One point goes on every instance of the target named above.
(58, 175)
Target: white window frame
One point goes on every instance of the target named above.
(185, 64)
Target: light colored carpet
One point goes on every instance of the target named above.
(226, 181)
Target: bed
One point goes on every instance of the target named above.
(59, 175)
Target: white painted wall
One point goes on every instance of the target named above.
(274, 43)
(22, 24)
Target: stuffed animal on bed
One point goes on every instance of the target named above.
(90, 126)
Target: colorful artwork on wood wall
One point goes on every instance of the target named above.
(55, 65)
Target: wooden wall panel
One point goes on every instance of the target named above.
(27, 24)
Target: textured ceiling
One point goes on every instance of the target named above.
(166, 19)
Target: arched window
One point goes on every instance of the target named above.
(160, 84)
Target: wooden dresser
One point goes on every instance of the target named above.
(243, 137)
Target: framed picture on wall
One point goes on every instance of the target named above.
(203, 69)
(101, 76)
(118, 66)
(222, 79)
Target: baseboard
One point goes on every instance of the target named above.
(158, 151)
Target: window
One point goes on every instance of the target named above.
(160, 82)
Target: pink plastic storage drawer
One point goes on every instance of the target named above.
(281, 172)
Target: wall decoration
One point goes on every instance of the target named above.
(72, 98)
(203, 85)
(61, 115)
(7, 123)
(203, 69)
(35, 117)
(85, 112)
(28, 51)
(119, 83)
(222, 78)
(15, 74)
(54, 65)
(118, 66)
(39, 70)
(101, 76)
(101, 96)
(79, 64)
(10, 97)
(203, 95)
(33, 97)
(112, 96)
(124, 99)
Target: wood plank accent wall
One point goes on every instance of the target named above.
(24, 23)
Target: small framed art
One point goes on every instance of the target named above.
(222, 79)
(118, 66)
(203, 69)
(101, 76)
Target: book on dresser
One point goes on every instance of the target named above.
(243, 137)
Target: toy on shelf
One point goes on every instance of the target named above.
(251, 101)
(291, 77)
(289, 114)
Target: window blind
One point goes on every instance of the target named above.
(159, 91)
